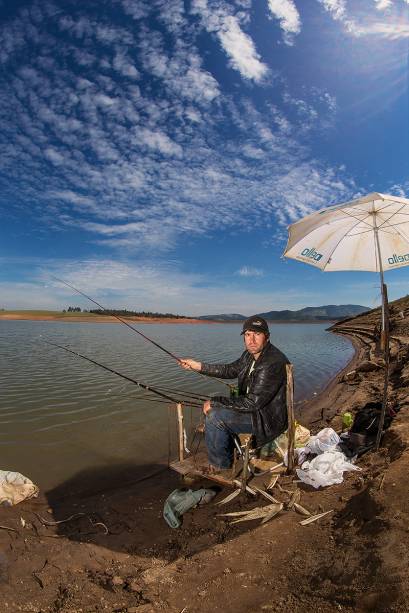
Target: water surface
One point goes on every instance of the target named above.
(60, 414)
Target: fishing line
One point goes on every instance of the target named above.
(115, 372)
(172, 355)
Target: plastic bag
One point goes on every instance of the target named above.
(301, 454)
(15, 487)
(325, 469)
(325, 440)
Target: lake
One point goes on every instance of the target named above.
(60, 414)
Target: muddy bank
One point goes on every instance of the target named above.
(99, 543)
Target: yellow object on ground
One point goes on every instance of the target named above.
(279, 446)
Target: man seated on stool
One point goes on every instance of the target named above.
(260, 407)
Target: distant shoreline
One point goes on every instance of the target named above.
(96, 319)
(92, 318)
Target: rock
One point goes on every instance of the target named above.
(134, 586)
(367, 366)
(336, 423)
(117, 580)
(143, 608)
(350, 376)
(393, 352)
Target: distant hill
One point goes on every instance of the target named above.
(329, 312)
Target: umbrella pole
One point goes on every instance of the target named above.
(385, 339)
(384, 342)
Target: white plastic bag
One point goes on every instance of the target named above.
(325, 440)
(325, 469)
(15, 487)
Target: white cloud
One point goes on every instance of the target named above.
(391, 31)
(253, 152)
(73, 198)
(103, 100)
(159, 141)
(382, 5)
(144, 166)
(137, 10)
(124, 66)
(287, 14)
(181, 70)
(238, 45)
(172, 14)
(241, 50)
(54, 156)
(28, 296)
(337, 8)
(250, 271)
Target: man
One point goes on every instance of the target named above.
(260, 407)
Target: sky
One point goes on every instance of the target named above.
(153, 152)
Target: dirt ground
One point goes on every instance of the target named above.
(112, 550)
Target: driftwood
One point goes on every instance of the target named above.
(265, 513)
(10, 529)
(313, 518)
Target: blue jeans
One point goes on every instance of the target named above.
(220, 425)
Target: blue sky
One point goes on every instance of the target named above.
(154, 151)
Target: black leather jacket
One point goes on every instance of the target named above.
(266, 396)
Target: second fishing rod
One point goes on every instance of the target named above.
(128, 325)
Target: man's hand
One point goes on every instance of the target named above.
(206, 407)
(190, 364)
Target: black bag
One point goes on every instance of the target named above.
(367, 419)
(362, 435)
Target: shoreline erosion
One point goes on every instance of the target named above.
(116, 553)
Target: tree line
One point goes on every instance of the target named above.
(126, 313)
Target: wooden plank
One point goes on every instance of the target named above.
(191, 466)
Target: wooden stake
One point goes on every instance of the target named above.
(291, 420)
(179, 409)
(246, 457)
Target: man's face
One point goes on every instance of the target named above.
(254, 342)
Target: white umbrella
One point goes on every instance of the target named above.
(369, 234)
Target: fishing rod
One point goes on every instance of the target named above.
(115, 372)
(184, 393)
(172, 355)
